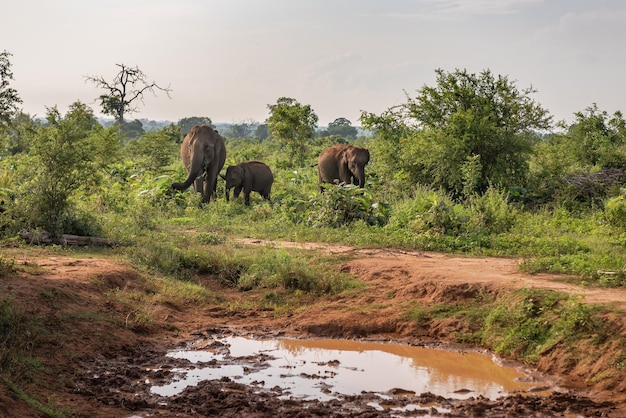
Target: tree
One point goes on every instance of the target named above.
(128, 87)
(17, 137)
(241, 130)
(155, 150)
(65, 155)
(185, 124)
(468, 124)
(9, 98)
(293, 126)
(132, 129)
(342, 127)
(597, 140)
(261, 131)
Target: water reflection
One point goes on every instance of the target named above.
(321, 369)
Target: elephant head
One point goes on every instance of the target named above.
(343, 162)
(356, 158)
(203, 154)
(234, 179)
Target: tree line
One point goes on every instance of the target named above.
(465, 134)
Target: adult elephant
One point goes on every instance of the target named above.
(203, 154)
(343, 162)
(251, 176)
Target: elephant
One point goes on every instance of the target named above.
(343, 162)
(203, 154)
(251, 176)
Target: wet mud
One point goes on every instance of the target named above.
(132, 382)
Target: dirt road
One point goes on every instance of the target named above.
(99, 367)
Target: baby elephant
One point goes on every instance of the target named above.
(251, 176)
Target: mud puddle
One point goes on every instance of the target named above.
(329, 369)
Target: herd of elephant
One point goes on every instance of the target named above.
(203, 153)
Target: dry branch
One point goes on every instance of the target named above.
(44, 237)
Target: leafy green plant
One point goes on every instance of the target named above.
(491, 211)
(439, 214)
(65, 156)
(615, 210)
(342, 204)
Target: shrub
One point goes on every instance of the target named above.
(615, 211)
(343, 204)
(491, 211)
(441, 215)
(65, 157)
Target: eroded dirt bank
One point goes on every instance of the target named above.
(95, 365)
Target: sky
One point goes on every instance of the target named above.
(229, 59)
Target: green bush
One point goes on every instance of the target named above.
(615, 211)
(491, 211)
(65, 158)
(342, 204)
(440, 215)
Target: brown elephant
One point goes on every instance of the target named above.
(343, 162)
(251, 176)
(203, 154)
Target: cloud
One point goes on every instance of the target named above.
(463, 9)
(585, 36)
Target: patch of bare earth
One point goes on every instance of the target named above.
(98, 368)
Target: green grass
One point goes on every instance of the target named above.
(523, 324)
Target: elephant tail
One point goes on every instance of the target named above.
(314, 165)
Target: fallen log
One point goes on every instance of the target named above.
(43, 237)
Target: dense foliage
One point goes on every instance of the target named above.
(468, 165)
(465, 133)
(293, 125)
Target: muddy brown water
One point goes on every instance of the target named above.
(325, 369)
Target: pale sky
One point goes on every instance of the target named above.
(229, 59)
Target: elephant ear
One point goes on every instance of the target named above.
(350, 156)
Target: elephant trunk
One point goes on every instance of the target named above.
(195, 170)
(361, 180)
(359, 175)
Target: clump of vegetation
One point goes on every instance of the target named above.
(524, 324)
(340, 205)
(535, 321)
(7, 266)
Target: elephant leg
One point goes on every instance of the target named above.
(210, 184)
(246, 197)
(227, 195)
(206, 192)
(197, 185)
(214, 194)
(237, 191)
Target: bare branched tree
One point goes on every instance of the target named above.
(124, 91)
